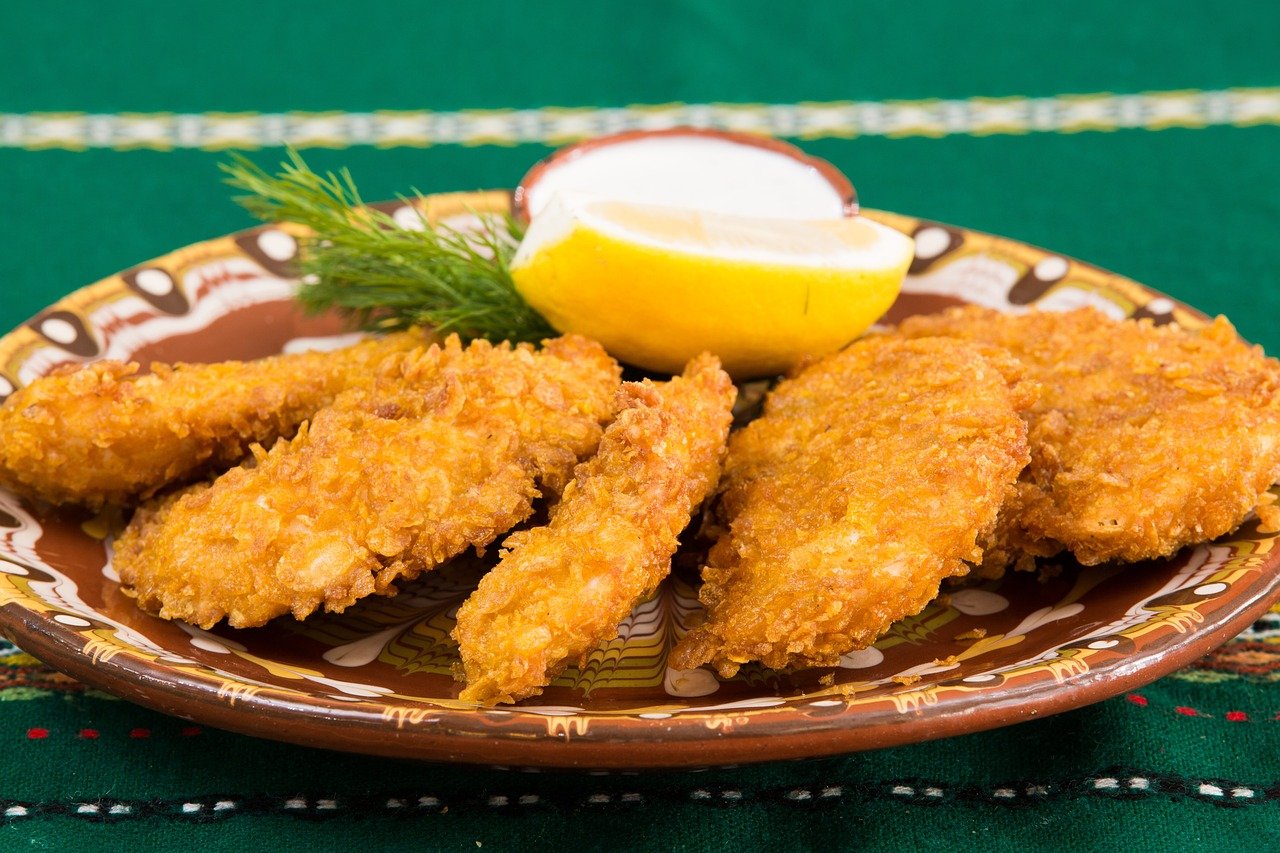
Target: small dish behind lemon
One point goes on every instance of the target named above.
(741, 173)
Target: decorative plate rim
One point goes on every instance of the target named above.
(733, 734)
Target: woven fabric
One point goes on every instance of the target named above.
(1140, 140)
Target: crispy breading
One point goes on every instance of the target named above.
(103, 433)
(563, 589)
(1146, 438)
(867, 481)
(442, 451)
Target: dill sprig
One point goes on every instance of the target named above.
(361, 262)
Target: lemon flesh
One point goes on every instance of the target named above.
(658, 285)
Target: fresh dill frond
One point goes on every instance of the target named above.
(361, 262)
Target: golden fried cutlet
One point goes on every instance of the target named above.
(102, 433)
(443, 450)
(1145, 439)
(868, 479)
(563, 589)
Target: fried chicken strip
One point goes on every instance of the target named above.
(1145, 439)
(868, 479)
(563, 589)
(103, 433)
(445, 449)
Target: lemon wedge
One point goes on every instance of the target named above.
(657, 285)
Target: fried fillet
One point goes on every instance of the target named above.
(444, 449)
(869, 479)
(563, 589)
(1145, 439)
(101, 433)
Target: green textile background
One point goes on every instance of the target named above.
(1192, 212)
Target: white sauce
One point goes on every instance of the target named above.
(695, 172)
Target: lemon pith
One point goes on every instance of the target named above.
(657, 299)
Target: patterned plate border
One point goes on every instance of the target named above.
(1210, 594)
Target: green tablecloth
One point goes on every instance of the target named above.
(108, 118)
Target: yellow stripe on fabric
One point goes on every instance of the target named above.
(978, 116)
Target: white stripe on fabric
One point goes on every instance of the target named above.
(976, 116)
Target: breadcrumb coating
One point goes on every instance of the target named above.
(1145, 438)
(869, 479)
(443, 450)
(103, 433)
(563, 589)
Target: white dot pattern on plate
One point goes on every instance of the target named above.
(931, 242)
(154, 281)
(58, 330)
(862, 658)
(277, 245)
(978, 602)
(1051, 268)
(409, 218)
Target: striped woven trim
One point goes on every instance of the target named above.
(555, 125)
(1126, 786)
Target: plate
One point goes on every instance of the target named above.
(377, 679)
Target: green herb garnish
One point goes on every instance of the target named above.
(363, 263)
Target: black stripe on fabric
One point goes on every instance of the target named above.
(1118, 784)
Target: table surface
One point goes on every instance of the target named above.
(1142, 141)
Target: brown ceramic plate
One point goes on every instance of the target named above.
(377, 678)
